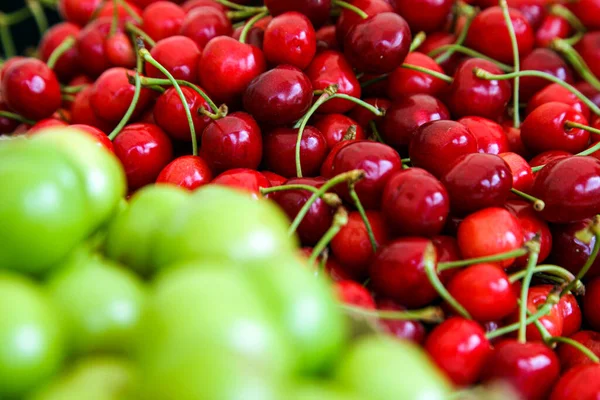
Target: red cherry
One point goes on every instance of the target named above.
(520, 171)
(378, 44)
(46, 123)
(489, 35)
(247, 180)
(379, 162)
(591, 302)
(398, 272)
(335, 126)
(571, 357)
(99, 136)
(144, 150)
(553, 27)
(255, 36)
(7, 125)
(188, 172)
(280, 151)
(31, 89)
(402, 329)
(327, 166)
(588, 48)
(570, 252)
(490, 136)
(170, 115)
(162, 20)
(354, 294)
(179, 55)
(531, 368)
(119, 50)
(544, 60)
(67, 66)
(405, 82)
(459, 347)
(91, 49)
(438, 39)
(547, 157)
(107, 11)
(415, 203)
(234, 141)
(568, 187)
(557, 93)
(405, 116)
(82, 112)
(424, 15)
(333, 270)
(279, 96)
(489, 231)
(191, 4)
(515, 143)
(364, 116)
(274, 179)
(588, 12)
(571, 314)
(78, 11)
(533, 225)
(351, 247)
(316, 10)
(112, 95)
(331, 68)
(326, 39)
(470, 95)
(436, 145)
(205, 23)
(447, 250)
(349, 18)
(589, 92)
(9, 63)
(579, 383)
(227, 67)
(290, 39)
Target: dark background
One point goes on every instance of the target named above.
(26, 33)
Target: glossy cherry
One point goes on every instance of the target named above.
(349, 18)
(364, 116)
(169, 113)
(205, 23)
(336, 126)
(571, 253)
(82, 112)
(107, 10)
(405, 82)
(544, 60)
(571, 357)
(547, 157)
(244, 179)
(78, 11)
(354, 294)
(520, 170)
(274, 179)
(316, 10)
(326, 39)
(533, 225)
(255, 36)
(515, 143)
(402, 329)
(557, 93)
(67, 66)
(591, 300)
(571, 313)
(553, 321)
(188, 172)
(327, 165)
(91, 49)
(119, 50)
(290, 39)
(424, 15)
(179, 55)
(490, 136)
(552, 27)
(162, 20)
(587, 11)
(588, 48)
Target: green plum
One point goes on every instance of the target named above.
(223, 224)
(320, 391)
(382, 368)
(31, 340)
(132, 234)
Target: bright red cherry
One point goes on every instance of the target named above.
(82, 112)
(255, 36)
(547, 157)
(67, 66)
(579, 383)
(571, 313)
(90, 46)
(490, 136)
(591, 302)
(290, 39)
(349, 18)
(336, 126)
(402, 329)
(107, 10)
(364, 116)
(459, 347)
(169, 113)
(544, 60)
(571, 357)
(119, 50)
(424, 15)
(205, 23)
(552, 27)
(520, 171)
(244, 179)
(162, 20)
(354, 294)
(559, 94)
(188, 172)
(144, 150)
(571, 253)
(533, 225)
(553, 321)
(316, 10)
(78, 11)
(515, 143)
(587, 11)
(405, 82)
(31, 89)
(179, 55)
(7, 125)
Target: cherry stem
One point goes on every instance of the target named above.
(516, 62)
(546, 336)
(235, 6)
(374, 80)
(131, 28)
(130, 110)
(363, 214)
(115, 19)
(282, 188)
(434, 315)
(375, 131)
(538, 204)
(417, 41)
(595, 229)
(38, 15)
(322, 262)
(556, 271)
(67, 97)
(350, 133)
(350, 176)
(573, 40)
(16, 117)
(145, 54)
(160, 82)
(541, 312)
(439, 75)
(353, 8)
(130, 11)
(65, 46)
(8, 45)
(16, 17)
(533, 247)
(574, 343)
(561, 11)
(73, 89)
(470, 13)
(575, 59)
(251, 22)
(443, 266)
(340, 219)
(245, 13)
(483, 74)
(469, 52)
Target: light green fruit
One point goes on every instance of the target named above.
(320, 391)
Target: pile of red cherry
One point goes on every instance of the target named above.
(430, 155)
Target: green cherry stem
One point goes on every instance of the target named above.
(575, 59)
(439, 75)
(546, 336)
(72, 89)
(65, 46)
(18, 16)
(538, 204)
(16, 117)
(483, 74)
(375, 131)
(595, 229)
(251, 22)
(429, 259)
(235, 6)
(561, 11)
(8, 44)
(541, 312)
(555, 271)
(130, 110)
(433, 315)
(114, 25)
(340, 219)
(243, 14)
(282, 188)
(443, 266)
(534, 251)
(573, 40)
(470, 13)
(516, 62)
(417, 41)
(38, 15)
(131, 28)
(162, 82)
(363, 214)
(471, 53)
(353, 8)
(574, 343)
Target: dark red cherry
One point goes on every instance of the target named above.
(587, 11)
(544, 60)
(335, 126)
(591, 302)
(107, 10)
(571, 357)
(279, 96)
(415, 203)
(489, 35)
(31, 89)
(557, 93)
(533, 225)
(290, 39)
(364, 116)
(352, 248)
(490, 136)
(398, 272)
(280, 151)
(589, 92)
(255, 36)
(246, 180)
(144, 150)
(459, 347)
(331, 68)
(82, 112)
(169, 113)
(405, 116)
(354, 294)
(436, 145)
(234, 141)
(327, 166)
(326, 39)
(188, 172)
(78, 11)
(553, 321)
(405, 82)
(379, 162)
(579, 383)
(316, 10)
(531, 368)
(179, 55)
(112, 95)
(515, 144)
(569, 188)
(67, 66)
(227, 67)
(588, 47)
(402, 329)
(547, 157)
(205, 23)
(162, 19)
(378, 44)
(570, 252)
(470, 95)
(490, 231)
(91, 49)
(349, 18)
(424, 15)
(520, 171)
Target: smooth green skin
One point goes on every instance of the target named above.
(306, 308)
(94, 378)
(132, 234)
(100, 303)
(206, 335)
(43, 206)
(320, 391)
(31, 341)
(384, 368)
(223, 224)
(100, 170)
